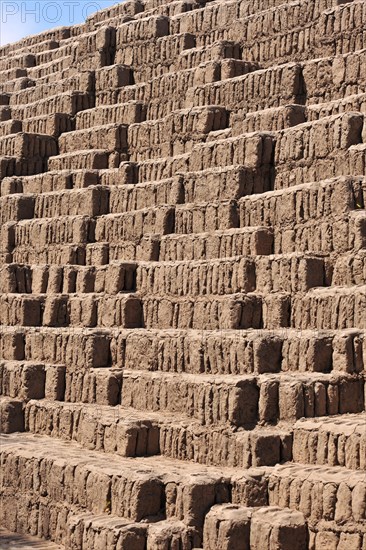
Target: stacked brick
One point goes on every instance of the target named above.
(183, 279)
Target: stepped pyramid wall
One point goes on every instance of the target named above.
(183, 279)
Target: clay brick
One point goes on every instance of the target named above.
(249, 241)
(235, 402)
(227, 526)
(11, 415)
(275, 526)
(127, 113)
(22, 380)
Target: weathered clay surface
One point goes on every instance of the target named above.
(183, 279)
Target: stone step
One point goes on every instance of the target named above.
(12, 74)
(58, 254)
(39, 233)
(298, 211)
(192, 352)
(220, 50)
(299, 155)
(150, 58)
(13, 541)
(61, 68)
(243, 400)
(134, 225)
(325, 89)
(216, 17)
(60, 310)
(334, 441)
(51, 124)
(36, 380)
(60, 33)
(17, 166)
(16, 84)
(22, 61)
(88, 348)
(85, 530)
(324, 30)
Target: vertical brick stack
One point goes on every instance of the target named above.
(183, 278)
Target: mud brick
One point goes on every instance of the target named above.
(125, 113)
(249, 241)
(275, 87)
(227, 526)
(98, 385)
(124, 310)
(283, 527)
(68, 102)
(335, 308)
(208, 313)
(28, 145)
(197, 278)
(142, 29)
(20, 309)
(110, 138)
(150, 391)
(11, 415)
(91, 201)
(5, 113)
(14, 208)
(199, 218)
(22, 380)
(12, 345)
(115, 76)
(333, 484)
(99, 530)
(15, 278)
(134, 225)
(272, 120)
(10, 127)
(80, 160)
(335, 441)
(88, 349)
(52, 125)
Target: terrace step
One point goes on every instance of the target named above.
(336, 441)
(12, 541)
(131, 433)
